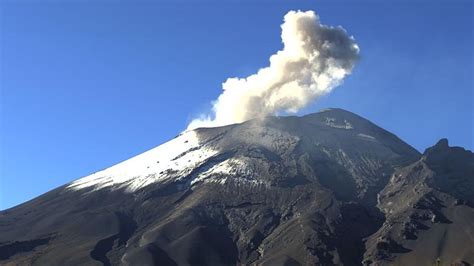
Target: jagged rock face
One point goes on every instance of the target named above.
(288, 190)
(429, 213)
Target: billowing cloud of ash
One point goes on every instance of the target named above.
(315, 59)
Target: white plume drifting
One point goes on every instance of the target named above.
(315, 59)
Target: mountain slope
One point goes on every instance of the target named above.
(285, 190)
(429, 211)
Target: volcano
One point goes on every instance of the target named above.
(329, 188)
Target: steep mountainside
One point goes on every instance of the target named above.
(429, 212)
(326, 188)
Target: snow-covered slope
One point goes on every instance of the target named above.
(278, 191)
(337, 134)
(176, 157)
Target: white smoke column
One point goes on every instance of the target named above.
(315, 59)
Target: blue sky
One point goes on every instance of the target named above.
(87, 84)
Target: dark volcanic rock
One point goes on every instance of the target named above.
(329, 188)
(426, 205)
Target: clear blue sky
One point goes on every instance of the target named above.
(87, 84)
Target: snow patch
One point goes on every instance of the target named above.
(220, 173)
(332, 123)
(366, 136)
(325, 110)
(172, 159)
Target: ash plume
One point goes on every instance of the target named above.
(315, 59)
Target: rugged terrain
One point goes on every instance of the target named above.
(329, 188)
